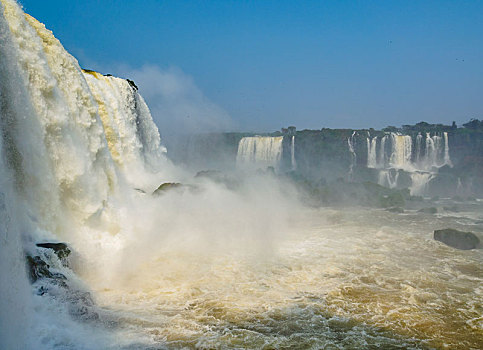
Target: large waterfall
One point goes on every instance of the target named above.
(259, 152)
(71, 141)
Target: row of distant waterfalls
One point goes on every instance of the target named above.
(396, 151)
(389, 154)
(420, 156)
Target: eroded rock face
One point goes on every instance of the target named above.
(457, 239)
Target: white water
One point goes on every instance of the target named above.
(388, 178)
(371, 152)
(401, 151)
(259, 152)
(421, 162)
(419, 181)
(447, 159)
(292, 154)
(350, 142)
(209, 268)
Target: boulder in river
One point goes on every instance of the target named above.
(457, 239)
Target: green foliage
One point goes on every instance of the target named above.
(474, 124)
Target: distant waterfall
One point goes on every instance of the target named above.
(419, 140)
(292, 154)
(388, 178)
(259, 151)
(371, 152)
(381, 161)
(350, 142)
(395, 152)
(419, 181)
(447, 160)
(401, 151)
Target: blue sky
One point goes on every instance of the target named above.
(267, 64)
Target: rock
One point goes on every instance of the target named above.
(395, 199)
(167, 186)
(133, 85)
(60, 249)
(37, 268)
(457, 239)
(430, 210)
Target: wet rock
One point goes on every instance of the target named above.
(60, 249)
(37, 268)
(133, 85)
(167, 186)
(457, 239)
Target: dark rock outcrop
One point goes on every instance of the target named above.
(457, 239)
(60, 249)
(167, 186)
(37, 268)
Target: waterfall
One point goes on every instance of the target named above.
(350, 142)
(371, 152)
(447, 160)
(73, 142)
(401, 151)
(388, 178)
(419, 140)
(419, 182)
(430, 153)
(292, 153)
(382, 152)
(259, 151)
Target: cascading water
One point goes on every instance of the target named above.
(419, 139)
(350, 142)
(70, 141)
(447, 160)
(430, 153)
(381, 161)
(401, 151)
(292, 153)
(259, 151)
(371, 152)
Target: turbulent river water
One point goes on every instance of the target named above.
(203, 265)
(339, 279)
